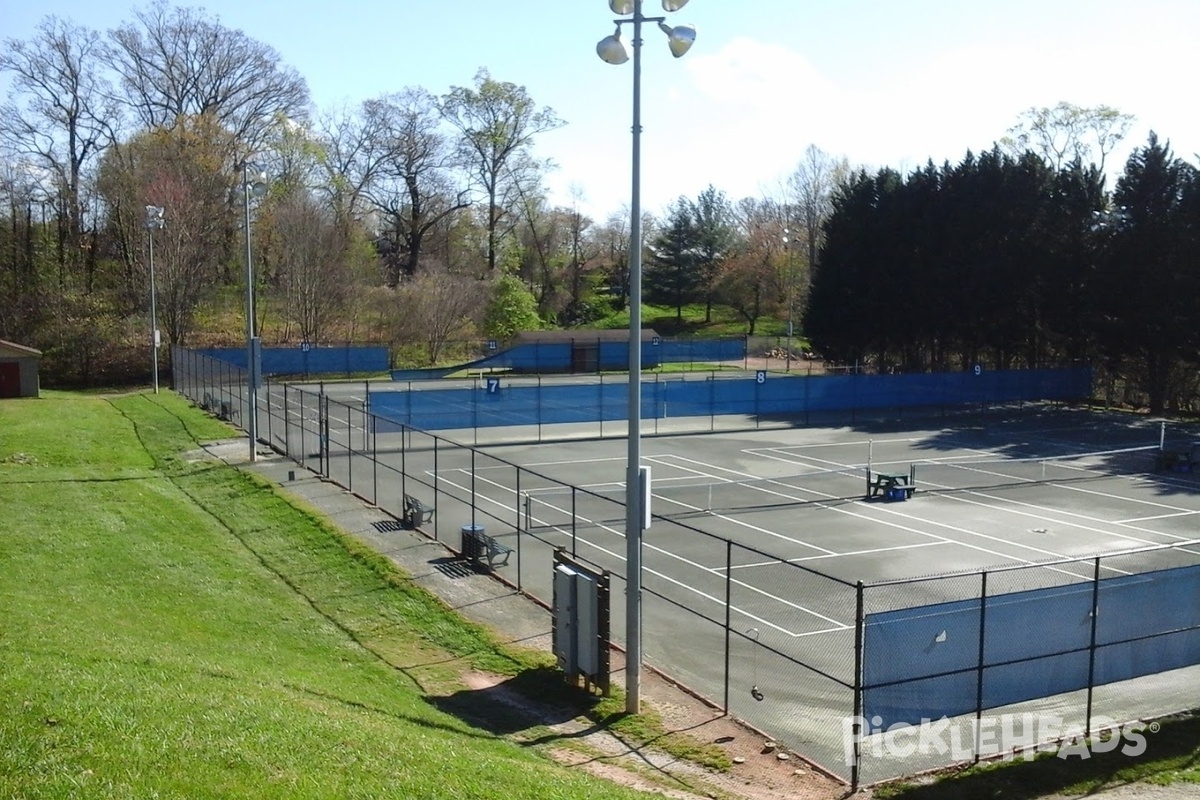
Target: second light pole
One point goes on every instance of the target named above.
(612, 51)
(257, 188)
(154, 221)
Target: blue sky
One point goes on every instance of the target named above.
(881, 83)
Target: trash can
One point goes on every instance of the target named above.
(471, 545)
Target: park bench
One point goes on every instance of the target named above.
(213, 404)
(477, 545)
(891, 485)
(416, 513)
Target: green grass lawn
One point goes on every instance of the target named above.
(177, 629)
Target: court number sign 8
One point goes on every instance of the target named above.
(760, 376)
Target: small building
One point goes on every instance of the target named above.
(580, 351)
(19, 370)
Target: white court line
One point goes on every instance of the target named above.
(851, 553)
(918, 531)
(675, 556)
(734, 520)
(1160, 516)
(1006, 507)
(1062, 516)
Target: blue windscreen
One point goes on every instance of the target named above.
(925, 662)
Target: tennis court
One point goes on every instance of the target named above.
(765, 555)
(771, 531)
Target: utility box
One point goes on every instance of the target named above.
(581, 622)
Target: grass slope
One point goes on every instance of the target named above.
(170, 629)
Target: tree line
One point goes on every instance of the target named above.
(1006, 260)
(417, 218)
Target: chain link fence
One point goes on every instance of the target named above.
(825, 665)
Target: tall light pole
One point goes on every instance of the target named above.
(154, 221)
(612, 51)
(258, 188)
(787, 245)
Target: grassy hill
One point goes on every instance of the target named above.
(177, 629)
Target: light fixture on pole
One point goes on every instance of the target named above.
(637, 490)
(154, 221)
(257, 188)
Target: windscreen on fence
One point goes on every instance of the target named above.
(316, 360)
(500, 401)
(927, 662)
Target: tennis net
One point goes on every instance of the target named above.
(985, 471)
(679, 498)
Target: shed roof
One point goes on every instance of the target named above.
(14, 350)
(582, 336)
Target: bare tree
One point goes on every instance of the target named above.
(353, 148)
(811, 187)
(177, 63)
(435, 306)
(412, 182)
(59, 117)
(313, 270)
(749, 278)
(496, 122)
(1068, 132)
(182, 171)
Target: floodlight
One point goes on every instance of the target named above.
(611, 50)
(680, 38)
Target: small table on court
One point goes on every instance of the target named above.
(885, 482)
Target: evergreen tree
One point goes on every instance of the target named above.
(672, 277)
(1150, 300)
(715, 240)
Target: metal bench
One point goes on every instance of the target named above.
(477, 545)
(416, 513)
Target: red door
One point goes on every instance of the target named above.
(10, 379)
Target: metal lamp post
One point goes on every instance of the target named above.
(154, 221)
(612, 51)
(257, 188)
(787, 245)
